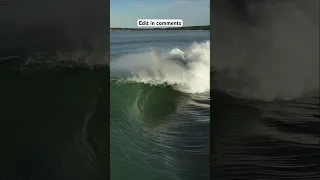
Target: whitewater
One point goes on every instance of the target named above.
(143, 68)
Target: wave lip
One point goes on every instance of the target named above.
(144, 68)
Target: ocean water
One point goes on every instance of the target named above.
(265, 96)
(54, 92)
(160, 110)
(54, 121)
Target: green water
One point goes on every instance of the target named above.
(157, 132)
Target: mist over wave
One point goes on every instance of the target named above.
(265, 50)
(143, 68)
(275, 55)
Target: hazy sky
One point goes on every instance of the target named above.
(124, 13)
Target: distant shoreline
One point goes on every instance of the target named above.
(166, 29)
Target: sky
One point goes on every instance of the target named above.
(124, 13)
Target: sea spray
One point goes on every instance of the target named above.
(143, 68)
(273, 56)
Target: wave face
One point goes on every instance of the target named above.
(53, 120)
(160, 109)
(265, 51)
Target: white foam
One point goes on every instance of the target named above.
(143, 68)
